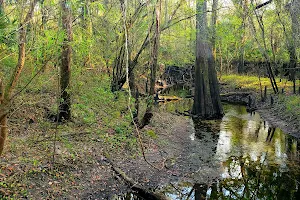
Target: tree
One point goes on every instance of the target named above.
(263, 48)
(119, 75)
(295, 18)
(65, 70)
(6, 93)
(207, 102)
(242, 10)
(155, 47)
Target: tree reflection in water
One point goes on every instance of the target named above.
(245, 179)
(257, 161)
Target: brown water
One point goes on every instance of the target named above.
(256, 161)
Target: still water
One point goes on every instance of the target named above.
(257, 161)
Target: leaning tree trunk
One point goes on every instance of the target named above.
(65, 70)
(6, 94)
(263, 49)
(207, 103)
(155, 51)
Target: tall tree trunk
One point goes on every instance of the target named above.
(263, 49)
(242, 8)
(207, 103)
(65, 70)
(1, 6)
(3, 119)
(214, 17)
(295, 18)
(7, 93)
(155, 50)
(243, 37)
(87, 25)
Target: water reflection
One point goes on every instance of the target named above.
(256, 160)
(182, 106)
(245, 134)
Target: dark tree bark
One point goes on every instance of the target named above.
(119, 72)
(200, 191)
(207, 103)
(65, 70)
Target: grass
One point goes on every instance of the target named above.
(288, 104)
(291, 105)
(252, 82)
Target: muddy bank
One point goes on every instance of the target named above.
(276, 118)
(212, 154)
(174, 152)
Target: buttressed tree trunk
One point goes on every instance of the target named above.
(6, 94)
(207, 103)
(65, 70)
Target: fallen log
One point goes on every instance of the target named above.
(236, 97)
(243, 98)
(138, 189)
(168, 98)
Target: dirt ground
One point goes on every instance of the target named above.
(174, 155)
(171, 149)
(286, 123)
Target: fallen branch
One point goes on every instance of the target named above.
(140, 191)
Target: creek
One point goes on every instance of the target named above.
(249, 159)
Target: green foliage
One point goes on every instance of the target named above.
(252, 82)
(151, 134)
(292, 104)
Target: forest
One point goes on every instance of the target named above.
(149, 99)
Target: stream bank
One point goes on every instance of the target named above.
(282, 110)
(240, 156)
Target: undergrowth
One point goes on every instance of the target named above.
(100, 122)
